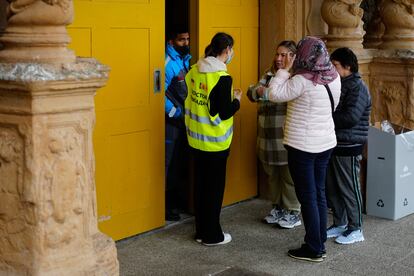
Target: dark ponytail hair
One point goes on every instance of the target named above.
(218, 44)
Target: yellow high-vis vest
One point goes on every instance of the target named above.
(205, 132)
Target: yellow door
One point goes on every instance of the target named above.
(240, 19)
(127, 35)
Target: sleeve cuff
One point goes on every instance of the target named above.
(265, 96)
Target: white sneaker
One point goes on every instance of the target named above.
(227, 239)
(274, 216)
(290, 220)
(335, 231)
(350, 236)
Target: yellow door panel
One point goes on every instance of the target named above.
(114, 122)
(240, 19)
(127, 150)
(227, 3)
(128, 36)
(128, 56)
(104, 201)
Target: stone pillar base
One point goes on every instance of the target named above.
(48, 219)
(397, 42)
(337, 41)
(105, 250)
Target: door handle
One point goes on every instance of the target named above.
(157, 81)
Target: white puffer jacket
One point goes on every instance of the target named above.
(309, 125)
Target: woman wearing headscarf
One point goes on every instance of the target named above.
(312, 93)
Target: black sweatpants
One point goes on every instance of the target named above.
(343, 191)
(209, 182)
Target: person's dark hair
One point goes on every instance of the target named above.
(174, 31)
(346, 57)
(218, 44)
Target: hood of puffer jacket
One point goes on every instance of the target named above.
(210, 65)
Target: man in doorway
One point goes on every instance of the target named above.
(177, 59)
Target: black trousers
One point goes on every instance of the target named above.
(209, 183)
(176, 169)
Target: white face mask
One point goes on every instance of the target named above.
(230, 57)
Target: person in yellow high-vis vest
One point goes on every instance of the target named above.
(209, 109)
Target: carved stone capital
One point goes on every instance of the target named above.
(344, 23)
(398, 18)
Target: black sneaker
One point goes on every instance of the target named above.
(306, 254)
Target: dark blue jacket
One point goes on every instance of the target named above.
(351, 116)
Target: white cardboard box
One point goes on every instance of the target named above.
(390, 173)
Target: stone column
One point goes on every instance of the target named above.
(279, 20)
(398, 18)
(344, 23)
(372, 23)
(48, 217)
(36, 31)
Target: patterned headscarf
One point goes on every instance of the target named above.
(312, 61)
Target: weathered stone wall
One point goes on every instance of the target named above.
(279, 20)
(391, 85)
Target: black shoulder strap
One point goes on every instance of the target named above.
(330, 97)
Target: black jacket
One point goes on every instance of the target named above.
(351, 116)
(221, 101)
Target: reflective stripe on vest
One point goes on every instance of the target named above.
(206, 138)
(205, 132)
(203, 120)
